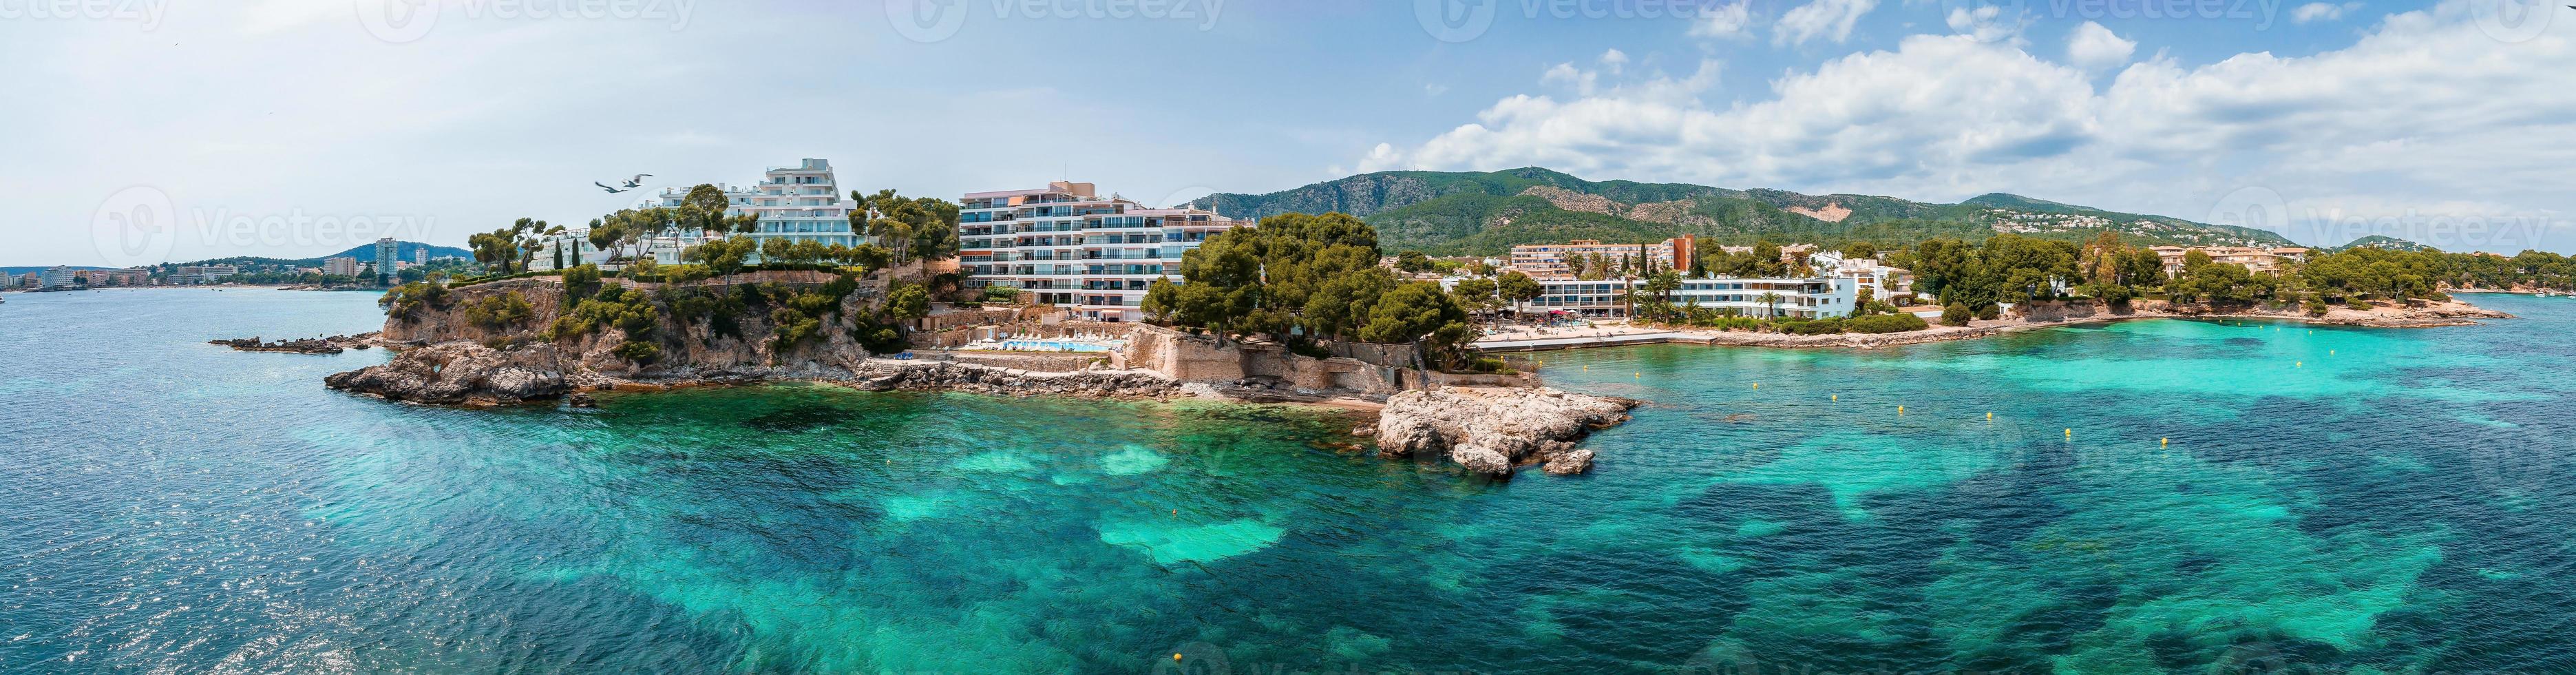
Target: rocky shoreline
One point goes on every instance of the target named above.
(1494, 430)
(318, 345)
(1491, 431)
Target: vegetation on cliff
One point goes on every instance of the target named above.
(1298, 277)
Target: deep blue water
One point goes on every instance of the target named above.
(2159, 496)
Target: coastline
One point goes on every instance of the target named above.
(2433, 315)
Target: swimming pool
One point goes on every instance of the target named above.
(1052, 346)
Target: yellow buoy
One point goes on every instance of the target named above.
(1838, 397)
(1176, 656)
(1757, 385)
(2070, 432)
(2166, 443)
(2301, 364)
(1990, 417)
(1900, 411)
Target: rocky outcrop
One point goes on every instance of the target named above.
(1492, 431)
(464, 373)
(319, 345)
(884, 375)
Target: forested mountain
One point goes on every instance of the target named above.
(1485, 213)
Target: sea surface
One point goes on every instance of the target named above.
(2153, 496)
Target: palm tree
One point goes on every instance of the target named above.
(1772, 300)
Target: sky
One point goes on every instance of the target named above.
(141, 131)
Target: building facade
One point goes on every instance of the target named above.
(203, 274)
(1069, 247)
(56, 278)
(340, 267)
(388, 260)
(1804, 298)
(1549, 260)
(796, 203)
(2254, 259)
(1868, 274)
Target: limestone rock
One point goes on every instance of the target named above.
(461, 372)
(1492, 430)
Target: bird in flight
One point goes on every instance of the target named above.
(604, 186)
(637, 181)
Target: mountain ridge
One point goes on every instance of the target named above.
(1485, 213)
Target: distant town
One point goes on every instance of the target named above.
(387, 268)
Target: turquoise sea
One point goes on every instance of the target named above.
(2166, 496)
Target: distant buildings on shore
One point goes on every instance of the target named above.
(1820, 285)
(2268, 260)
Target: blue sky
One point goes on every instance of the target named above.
(146, 130)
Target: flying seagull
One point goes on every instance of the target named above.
(604, 186)
(638, 180)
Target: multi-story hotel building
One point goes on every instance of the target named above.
(2254, 259)
(1827, 287)
(796, 203)
(1788, 297)
(1070, 247)
(1549, 260)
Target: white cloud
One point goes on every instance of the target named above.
(1435, 89)
(1725, 21)
(2321, 11)
(1828, 19)
(1565, 74)
(2426, 114)
(2093, 47)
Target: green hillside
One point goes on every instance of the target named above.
(1485, 213)
(2383, 242)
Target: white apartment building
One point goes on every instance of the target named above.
(56, 277)
(1095, 256)
(797, 203)
(1549, 260)
(1806, 298)
(1881, 281)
